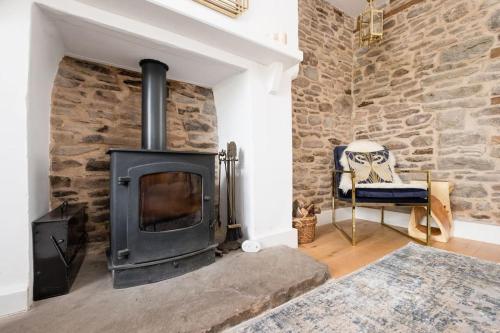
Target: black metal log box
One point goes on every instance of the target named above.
(59, 240)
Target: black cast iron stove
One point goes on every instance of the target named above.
(161, 209)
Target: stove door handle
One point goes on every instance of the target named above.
(123, 181)
(123, 254)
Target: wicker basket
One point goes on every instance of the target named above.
(306, 227)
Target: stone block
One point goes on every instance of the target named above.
(419, 10)
(422, 141)
(495, 122)
(400, 72)
(495, 152)
(492, 111)
(494, 21)
(312, 143)
(326, 107)
(460, 205)
(418, 119)
(311, 73)
(459, 73)
(455, 13)
(315, 120)
(97, 165)
(58, 165)
(460, 163)
(62, 194)
(495, 53)
(396, 145)
(455, 93)
(470, 103)
(96, 138)
(59, 181)
(447, 140)
(468, 49)
(495, 100)
(400, 114)
(469, 191)
(450, 120)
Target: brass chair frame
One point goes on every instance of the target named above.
(355, 204)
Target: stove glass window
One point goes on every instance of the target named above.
(169, 201)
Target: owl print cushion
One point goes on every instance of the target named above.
(370, 167)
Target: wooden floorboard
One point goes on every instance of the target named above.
(376, 241)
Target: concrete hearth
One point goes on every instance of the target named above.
(235, 288)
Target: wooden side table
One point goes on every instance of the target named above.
(440, 212)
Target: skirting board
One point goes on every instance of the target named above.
(286, 237)
(467, 230)
(12, 302)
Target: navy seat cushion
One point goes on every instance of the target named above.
(376, 195)
(337, 154)
(384, 195)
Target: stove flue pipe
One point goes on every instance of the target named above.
(154, 94)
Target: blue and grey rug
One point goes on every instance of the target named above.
(415, 289)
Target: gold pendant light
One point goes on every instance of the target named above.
(370, 25)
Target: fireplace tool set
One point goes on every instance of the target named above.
(233, 229)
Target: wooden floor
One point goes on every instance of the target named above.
(374, 242)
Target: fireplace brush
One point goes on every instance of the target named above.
(229, 158)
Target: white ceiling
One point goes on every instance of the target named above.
(87, 40)
(354, 7)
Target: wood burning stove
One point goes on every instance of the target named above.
(161, 208)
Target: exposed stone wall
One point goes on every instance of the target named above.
(322, 101)
(431, 92)
(96, 107)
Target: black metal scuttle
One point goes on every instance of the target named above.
(59, 240)
(154, 94)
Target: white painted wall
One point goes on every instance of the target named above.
(46, 51)
(262, 18)
(261, 124)
(228, 96)
(14, 225)
(35, 50)
(272, 143)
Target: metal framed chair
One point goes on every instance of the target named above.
(378, 197)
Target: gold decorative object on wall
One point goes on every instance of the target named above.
(231, 8)
(370, 25)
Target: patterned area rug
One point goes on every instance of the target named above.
(414, 289)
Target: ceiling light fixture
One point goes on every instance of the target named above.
(370, 25)
(232, 8)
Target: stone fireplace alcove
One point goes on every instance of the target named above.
(250, 77)
(96, 107)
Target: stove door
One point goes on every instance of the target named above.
(169, 212)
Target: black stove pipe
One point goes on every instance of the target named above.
(154, 94)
